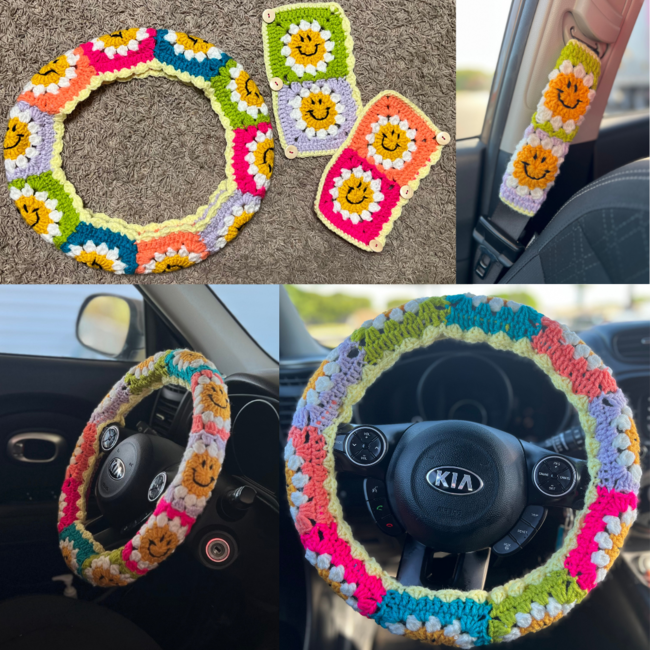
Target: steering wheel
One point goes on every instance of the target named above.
(143, 473)
(459, 487)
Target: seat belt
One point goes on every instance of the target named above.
(536, 160)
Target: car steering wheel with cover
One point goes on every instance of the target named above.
(461, 487)
(122, 494)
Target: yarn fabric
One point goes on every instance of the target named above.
(451, 617)
(50, 204)
(565, 101)
(187, 494)
(310, 66)
(376, 170)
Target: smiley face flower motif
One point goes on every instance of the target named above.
(54, 76)
(356, 195)
(307, 48)
(38, 210)
(98, 256)
(391, 142)
(103, 573)
(121, 42)
(172, 260)
(567, 97)
(22, 140)
(318, 111)
(192, 47)
(245, 94)
(69, 553)
(260, 158)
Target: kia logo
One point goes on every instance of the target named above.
(454, 480)
(116, 469)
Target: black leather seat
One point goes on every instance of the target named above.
(599, 236)
(58, 623)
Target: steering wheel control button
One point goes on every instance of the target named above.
(374, 489)
(379, 508)
(365, 446)
(110, 437)
(534, 515)
(389, 526)
(522, 532)
(157, 486)
(506, 546)
(554, 476)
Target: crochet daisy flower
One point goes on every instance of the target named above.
(318, 111)
(391, 142)
(120, 42)
(307, 48)
(22, 140)
(38, 210)
(356, 195)
(98, 257)
(54, 76)
(192, 47)
(261, 158)
(245, 94)
(172, 260)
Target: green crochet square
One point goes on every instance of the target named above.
(46, 183)
(330, 18)
(238, 118)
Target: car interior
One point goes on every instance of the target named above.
(444, 383)
(207, 593)
(593, 227)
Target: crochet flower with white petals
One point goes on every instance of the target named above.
(59, 80)
(211, 53)
(181, 252)
(307, 48)
(111, 255)
(356, 195)
(245, 94)
(19, 153)
(302, 110)
(122, 50)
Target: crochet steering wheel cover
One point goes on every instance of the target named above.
(182, 502)
(451, 617)
(50, 204)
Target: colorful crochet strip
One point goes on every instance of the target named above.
(185, 498)
(50, 204)
(464, 619)
(309, 63)
(376, 170)
(567, 97)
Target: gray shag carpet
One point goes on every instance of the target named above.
(150, 150)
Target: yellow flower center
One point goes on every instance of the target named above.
(193, 43)
(567, 96)
(16, 139)
(35, 213)
(242, 219)
(120, 37)
(355, 195)
(95, 260)
(52, 72)
(248, 90)
(318, 111)
(264, 157)
(172, 263)
(391, 141)
(307, 46)
(535, 167)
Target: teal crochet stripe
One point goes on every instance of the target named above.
(474, 617)
(185, 375)
(83, 547)
(524, 323)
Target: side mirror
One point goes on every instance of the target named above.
(112, 326)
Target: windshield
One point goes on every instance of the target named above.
(333, 312)
(245, 302)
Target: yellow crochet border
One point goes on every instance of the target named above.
(413, 184)
(350, 77)
(500, 341)
(192, 223)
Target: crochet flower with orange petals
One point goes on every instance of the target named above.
(535, 167)
(567, 96)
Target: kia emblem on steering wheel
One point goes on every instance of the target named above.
(454, 480)
(116, 469)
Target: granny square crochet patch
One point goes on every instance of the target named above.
(567, 97)
(49, 203)
(309, 63)
(377, 169)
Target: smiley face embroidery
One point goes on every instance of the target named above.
(38, 210)
(391, 142)
(120, 42)
(356, 195)
(200, 474)
(245, 93)
(308, 48)
(261, 158)
(192, 47)
(317, 111)
(22, 140)
(55, 75)
(535, 167)
(157, 543)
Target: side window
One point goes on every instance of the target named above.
(630, 90)
(36, 321)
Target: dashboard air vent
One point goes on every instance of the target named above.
(633, 345)
(167, 403)
(293, 380)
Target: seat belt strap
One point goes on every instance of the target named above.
(536, 160)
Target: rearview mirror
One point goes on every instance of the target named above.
(112, 326)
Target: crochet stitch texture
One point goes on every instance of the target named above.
(183, 501)
(375, 171)
(565, 101)
(50, 204)
(308, 48)
(450, 617)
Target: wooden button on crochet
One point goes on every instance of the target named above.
(406, 192)
(376, 246)
(291, 151)
(276, 83)
(443, 138)
(268, 15)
